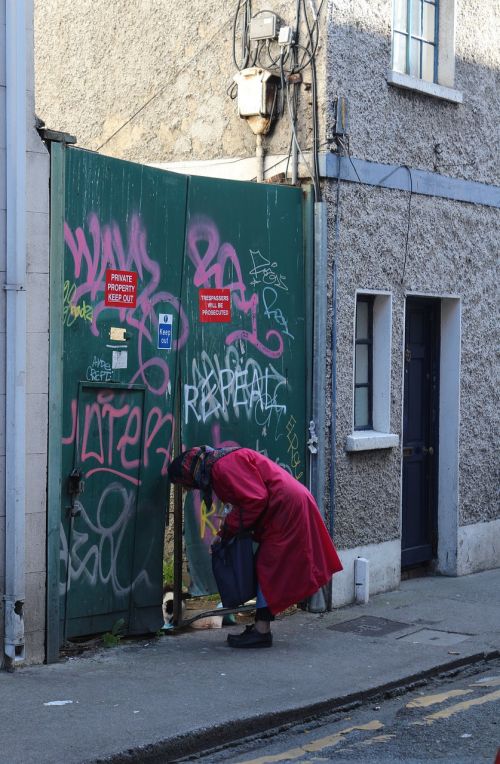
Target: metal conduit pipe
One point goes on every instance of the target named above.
(259, 155)
(318, 603)
(15, 328)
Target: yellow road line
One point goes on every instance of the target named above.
(315, 745)
(464, 706)
(432, 700)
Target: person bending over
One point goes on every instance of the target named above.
(296, 555)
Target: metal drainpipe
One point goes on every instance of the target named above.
(259, 155)
(333, 432)
(318, 603)
(15, 329)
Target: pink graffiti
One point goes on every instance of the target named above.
(210, 259)
(110, 437)
(107, 251)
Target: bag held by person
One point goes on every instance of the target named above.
(233, 566)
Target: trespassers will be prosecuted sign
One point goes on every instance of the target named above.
(121, 289)
(215, 305)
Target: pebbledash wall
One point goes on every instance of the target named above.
(17, 22)
(149, 81)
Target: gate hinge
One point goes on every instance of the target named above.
(13, 287)
(312, 443)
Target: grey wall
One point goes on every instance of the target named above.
(391, 125)
(97, 67)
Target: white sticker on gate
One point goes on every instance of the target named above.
(119, 359)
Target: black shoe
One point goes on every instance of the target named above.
(250, 638)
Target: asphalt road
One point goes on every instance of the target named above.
(453, 720)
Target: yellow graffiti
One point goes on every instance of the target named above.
(72, 312)
(293, 448)
(205, 522)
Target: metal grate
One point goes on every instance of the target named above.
(369, 626)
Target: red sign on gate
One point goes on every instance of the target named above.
(121, 289)
(215, 305)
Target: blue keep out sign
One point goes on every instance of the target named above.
(164, 331)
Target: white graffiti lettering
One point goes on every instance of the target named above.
(269, 299)
(218, 390)
(263, 271)
(99, 371)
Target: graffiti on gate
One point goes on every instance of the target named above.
(110, 426)
(213, 260)
(243, 380)
(103, 248)
(221, 389)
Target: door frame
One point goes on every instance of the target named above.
(447, 509)
(431, 305)
(54, 466)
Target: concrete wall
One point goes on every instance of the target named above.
(397, 126)
(37, 229)
(95, 68)
(439, 263)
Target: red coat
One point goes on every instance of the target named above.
(296, 555)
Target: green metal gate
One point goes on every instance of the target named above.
(156, 275)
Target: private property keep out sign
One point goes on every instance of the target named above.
(121, 289)
(215, 305)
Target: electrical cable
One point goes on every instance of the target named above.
(409, 220)
(247, 10)
(346, 145)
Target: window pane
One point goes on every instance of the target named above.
(361, 407)
(427, 62)
(416, 17)
(415, 58)
(361, 320)
(429, 26)
(399, 53)
(361, 372)
(400, 9)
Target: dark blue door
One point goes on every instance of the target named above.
(420, 436)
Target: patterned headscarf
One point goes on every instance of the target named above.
(193, 468)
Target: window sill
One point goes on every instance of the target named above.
(370, 440)
(398, 80)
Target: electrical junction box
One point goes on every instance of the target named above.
(256, 90)
(285, 36)
(264, 26)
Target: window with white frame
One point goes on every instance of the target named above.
(363, 363)
(423, 47)
(415, 41)
(372, 374)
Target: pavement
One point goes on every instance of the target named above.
(158, 699)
